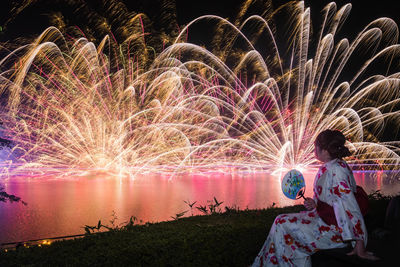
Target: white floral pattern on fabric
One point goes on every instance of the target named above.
(293, 238)
(338, 191)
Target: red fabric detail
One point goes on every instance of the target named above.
(272, 248)
(362, 200)
(319, 190)
(327, 214)
(288, 239)
(349, 214)
(340, 230)
(357, 229)
(274, 260)
(343, 165)
(324, 229)
(336, 191)
(337, 239)
(280, 221)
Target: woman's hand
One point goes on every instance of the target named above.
(309, 203)
(361, 252)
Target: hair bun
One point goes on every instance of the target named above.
(334, 142)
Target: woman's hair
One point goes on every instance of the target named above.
(333, 141)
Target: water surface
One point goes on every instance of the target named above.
(62, 207)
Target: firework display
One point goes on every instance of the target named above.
(71, 107)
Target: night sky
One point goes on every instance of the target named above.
(30, 21)
(22, 21)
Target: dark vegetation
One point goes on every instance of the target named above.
(229, 238)
(4, 196)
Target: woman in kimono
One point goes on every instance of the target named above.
(293, 238)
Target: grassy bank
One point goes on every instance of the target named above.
(222, 239)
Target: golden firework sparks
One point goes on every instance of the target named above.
(74, 108)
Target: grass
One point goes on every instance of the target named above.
(231, 238)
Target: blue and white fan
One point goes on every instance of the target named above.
(293, 184)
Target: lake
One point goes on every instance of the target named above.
(58, 207)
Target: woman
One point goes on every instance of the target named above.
(293, 238)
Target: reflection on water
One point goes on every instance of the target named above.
(63, 207)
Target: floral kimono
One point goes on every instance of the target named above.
(294, 237)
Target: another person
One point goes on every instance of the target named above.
(293, 238)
